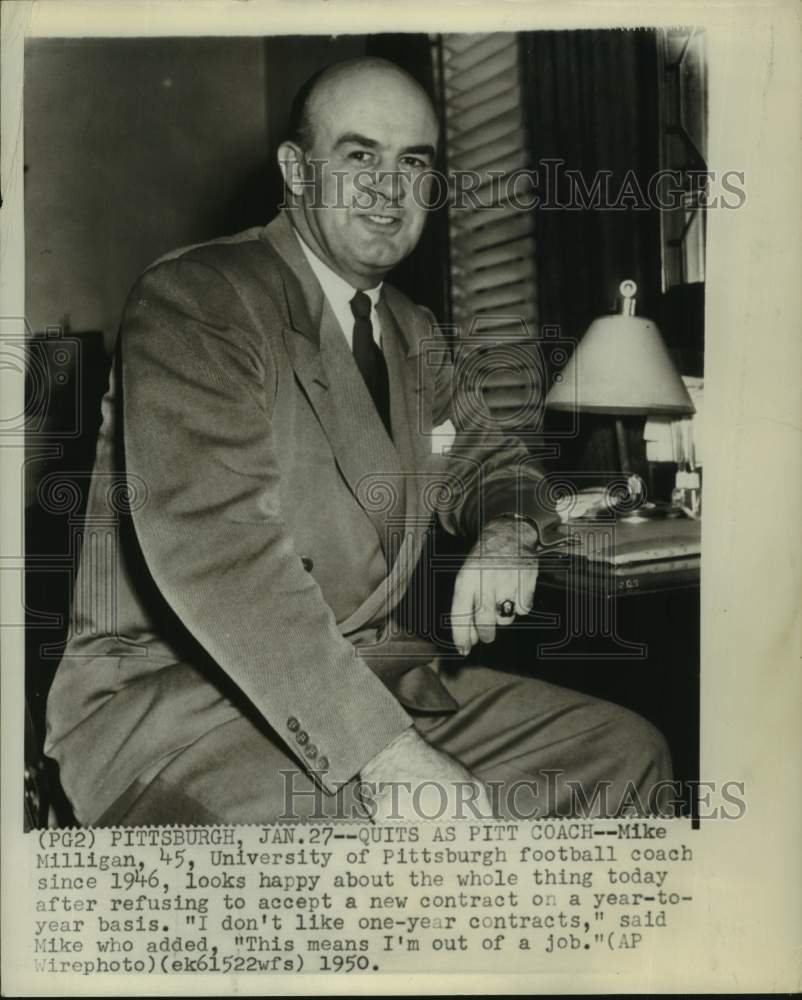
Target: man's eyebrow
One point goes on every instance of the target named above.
(425, 150)
(357, 139)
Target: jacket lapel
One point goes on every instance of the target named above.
(407, 351)
(388, 478)
(408, 404)
(410, 411)
(364, 452)
(405, 334)
(326, 370)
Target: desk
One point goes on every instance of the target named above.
(612, 556)
(618, 617)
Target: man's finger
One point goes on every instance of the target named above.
(462, 613)
(474, 635)
(523, 607)
(526, 592)
(484, 613)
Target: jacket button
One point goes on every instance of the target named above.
(293, 724)
(308, 564)
(302, 737)
(311, 751)
(323, 763)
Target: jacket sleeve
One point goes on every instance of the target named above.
(498, 475)
(196, 374)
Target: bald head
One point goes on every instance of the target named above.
(343, 82)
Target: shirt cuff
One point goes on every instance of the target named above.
(508, 500)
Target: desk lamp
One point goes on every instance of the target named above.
(621, 366)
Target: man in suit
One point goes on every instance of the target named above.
(264, 484)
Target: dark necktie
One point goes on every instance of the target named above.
(370, 359)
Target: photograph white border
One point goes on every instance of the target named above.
(743, 931)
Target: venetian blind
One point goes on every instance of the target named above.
(492, 233)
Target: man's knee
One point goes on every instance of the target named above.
(641, 745)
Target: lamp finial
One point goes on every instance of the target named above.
(627, 290)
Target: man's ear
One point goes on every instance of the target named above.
(292, 166)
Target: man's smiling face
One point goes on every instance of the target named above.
(373, 137)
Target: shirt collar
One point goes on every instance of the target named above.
(336, 289)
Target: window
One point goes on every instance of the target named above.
(491, 230)
(683, 143)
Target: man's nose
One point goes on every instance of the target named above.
(389, 185)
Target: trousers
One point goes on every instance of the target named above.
(542, 750)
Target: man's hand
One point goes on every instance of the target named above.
(410, 780)
(499, 568)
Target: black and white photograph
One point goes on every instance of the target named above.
(375, 494)
(256, 550)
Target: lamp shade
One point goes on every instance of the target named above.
(621, 366)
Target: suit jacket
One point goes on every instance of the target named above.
(251, 526)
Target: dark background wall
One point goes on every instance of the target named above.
(131, 148)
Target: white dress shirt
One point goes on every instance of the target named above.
(339, 294)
